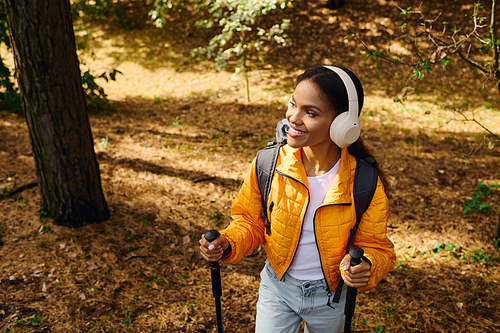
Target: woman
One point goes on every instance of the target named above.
(311, 212)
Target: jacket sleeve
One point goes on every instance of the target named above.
(371, 236)
(246, 230)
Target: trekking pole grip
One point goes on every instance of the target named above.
(210, 236)
(356, 253)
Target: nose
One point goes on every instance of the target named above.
(293, 115)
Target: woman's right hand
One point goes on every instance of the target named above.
(213, 251)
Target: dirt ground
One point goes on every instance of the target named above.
(173, 153)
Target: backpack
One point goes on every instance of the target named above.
(365, 179)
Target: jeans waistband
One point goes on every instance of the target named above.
(300, 283)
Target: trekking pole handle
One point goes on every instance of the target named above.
(210, 236)
(356, 254)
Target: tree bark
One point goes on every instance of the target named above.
(495, 47)
(48, 74)
(334, 4)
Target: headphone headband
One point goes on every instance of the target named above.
(352, 94)
(345, 128)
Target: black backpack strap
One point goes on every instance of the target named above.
(365, 184)
(265, 164)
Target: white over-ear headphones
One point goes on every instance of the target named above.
(345, 127)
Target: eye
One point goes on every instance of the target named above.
(291, 103)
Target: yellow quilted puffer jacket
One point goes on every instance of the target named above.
(289, 199)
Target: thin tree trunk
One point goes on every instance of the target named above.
(493, 33)
(48, 74)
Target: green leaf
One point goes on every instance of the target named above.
(104, 142)
(418, 74)
(405, 11)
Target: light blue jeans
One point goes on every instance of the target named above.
(282, 305)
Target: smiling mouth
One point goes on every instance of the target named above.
(296, 131)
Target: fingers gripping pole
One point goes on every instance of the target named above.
(356, 253)
(210, 236)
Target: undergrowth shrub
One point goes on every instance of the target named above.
(477, 204)
(97, 99)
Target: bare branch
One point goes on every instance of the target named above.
(472, 63)
(477, 122)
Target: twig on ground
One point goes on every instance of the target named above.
(14, 191)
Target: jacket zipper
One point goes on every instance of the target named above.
(316, 240)
(302, 223)
(314, 226)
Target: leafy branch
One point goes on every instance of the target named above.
(450, 41)
(434, 41)
(242, 33)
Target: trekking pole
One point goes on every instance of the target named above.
(356, 253)
(210, 236)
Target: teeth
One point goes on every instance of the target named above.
(297, 132)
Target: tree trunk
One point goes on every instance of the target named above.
(48, 74)
(334, 4)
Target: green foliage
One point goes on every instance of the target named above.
(475, 256)
(127, 321)
(6, 192)
(434, 41)
(44, 215)
(216, 217)
(94, 93)
(424, 66)
(374, 54)
(31, 321)
(241, 33)
(477, 204)
(163, 7)
(190, 305)
(177, 122)
(96, 97)
(91, 10)
(104, 142)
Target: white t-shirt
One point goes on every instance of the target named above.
(306, 265)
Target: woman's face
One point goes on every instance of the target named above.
(310, 117)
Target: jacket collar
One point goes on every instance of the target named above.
(340, 193)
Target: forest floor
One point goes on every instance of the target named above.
(176, 147)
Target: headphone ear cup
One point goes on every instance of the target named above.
(344, 132)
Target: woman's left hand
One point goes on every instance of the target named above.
(355, 276)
